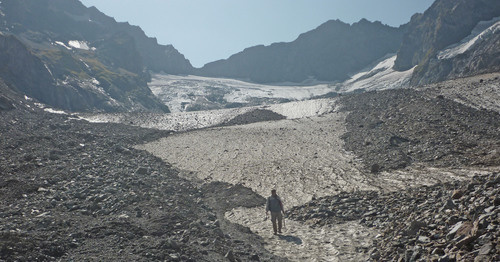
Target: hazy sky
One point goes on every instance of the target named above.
(209, 30)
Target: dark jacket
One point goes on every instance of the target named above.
(274, 204)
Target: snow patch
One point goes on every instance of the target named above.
(76, 44)
(86, 65)
(379, 77)
(63, 45)
(302, 109)
(79, 44)
(482, 31)
(50, 72)
(49, 109)
(53, 111)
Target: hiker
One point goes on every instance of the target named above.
(275, 205)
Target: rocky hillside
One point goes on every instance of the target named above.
(444, 222)
(75, 191)
(94, 62)
(445, 23)
(328, 53)
(404, 128)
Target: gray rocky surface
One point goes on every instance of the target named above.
(74, 190)
(397, 128)
(445, 222)
(70, 190)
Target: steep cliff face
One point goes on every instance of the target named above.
(479, 53)
(72, 84)
(78, 59)
(6, 94)
(21, 69)
(65, 20)
(330, 52)
(446, 22)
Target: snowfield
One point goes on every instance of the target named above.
(379, 77)
(76, 45)
(177, 91)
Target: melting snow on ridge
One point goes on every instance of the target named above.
(79, 44)
(481, 31)
(380, 77)
(75, 44)
(63, 45)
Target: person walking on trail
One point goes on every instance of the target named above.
(275, 205)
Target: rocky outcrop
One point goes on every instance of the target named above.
(483, 56)
(328, 53)
(6, 94)
(22, 70)
(71, 84)
(446, 22)
(445, 222)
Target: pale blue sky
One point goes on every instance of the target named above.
(208, 30)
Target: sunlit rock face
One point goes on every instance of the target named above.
(445, 23)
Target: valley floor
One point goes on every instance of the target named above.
(304, 159)
(376, 176)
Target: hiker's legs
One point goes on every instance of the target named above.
(274, 217)
(280, 221)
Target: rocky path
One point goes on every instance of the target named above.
(300, 242)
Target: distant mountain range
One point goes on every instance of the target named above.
(328, 53)
(76, 58)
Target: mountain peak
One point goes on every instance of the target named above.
(328, 53)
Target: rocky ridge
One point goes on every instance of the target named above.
(446, 22)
